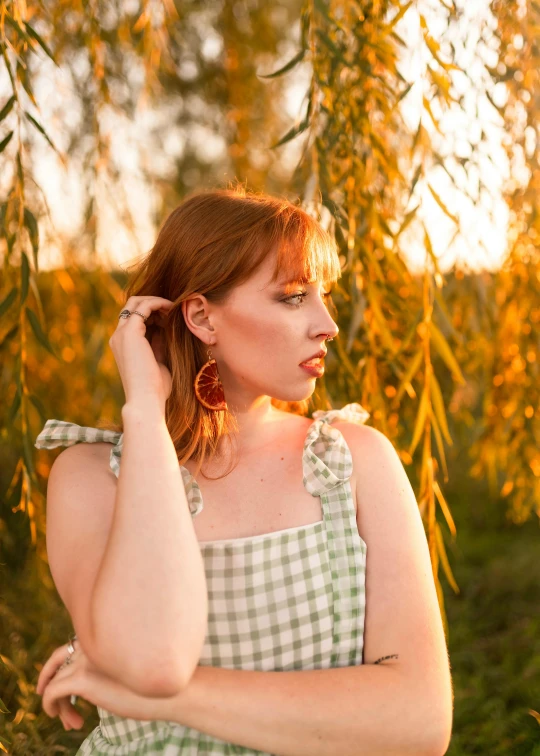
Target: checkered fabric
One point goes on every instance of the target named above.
(293, 599)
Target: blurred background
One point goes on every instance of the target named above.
(410, 130)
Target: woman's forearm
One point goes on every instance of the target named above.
(149, 604)
(367, 710)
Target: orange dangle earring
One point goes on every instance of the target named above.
(208, 386)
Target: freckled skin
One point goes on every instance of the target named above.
(259, 340)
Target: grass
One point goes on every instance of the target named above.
(494, 642)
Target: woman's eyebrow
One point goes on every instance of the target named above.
(301, 280)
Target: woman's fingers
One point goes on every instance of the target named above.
(50, 668)
(47, 686)
(69, 715)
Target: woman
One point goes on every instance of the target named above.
(254, 624)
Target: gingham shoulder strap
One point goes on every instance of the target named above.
(61, 433)
(327, 460)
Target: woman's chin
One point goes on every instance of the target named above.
(299, 395)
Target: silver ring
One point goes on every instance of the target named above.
(128, 313)
(71, 650)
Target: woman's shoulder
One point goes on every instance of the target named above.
(85, 458)
(331, 447)
(85, 446)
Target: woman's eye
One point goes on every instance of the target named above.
(296, 296)
(302, 295)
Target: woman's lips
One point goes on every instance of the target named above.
(315, 368)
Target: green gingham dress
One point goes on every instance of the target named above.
(293, 599)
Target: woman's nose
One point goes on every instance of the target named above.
(331, 331)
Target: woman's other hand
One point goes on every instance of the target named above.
(82, 678)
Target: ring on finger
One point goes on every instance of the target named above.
(128, 313)
(69, 660)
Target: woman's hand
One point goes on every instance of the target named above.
(144, 375)
(84, 679)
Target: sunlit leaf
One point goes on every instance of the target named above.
(399, 15)
(419, 425)
(442, 347)
(8, 301)
(293, 132)
(33, 33)
(408, 218)
(441, 204)
(40, 128)
(287, 67)
(36, 327)
(15, 404)
(427, 106)
(438, 407)
(5, 141)
(33, 231)
(412, 368)
(405, 92)
(445, 509)
(25, 277)
(444, 559)
(7, 108)
(440, 444)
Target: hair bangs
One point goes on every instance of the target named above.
(305, 252)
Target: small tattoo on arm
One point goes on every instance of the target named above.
(392, 656)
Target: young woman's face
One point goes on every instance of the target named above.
(262, 333)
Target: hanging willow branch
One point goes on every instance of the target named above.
(369, 169)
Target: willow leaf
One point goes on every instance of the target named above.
(4, 143)
(500, 110)
(446, 314)
(40, 128)
(7, 108)
(429, 249)
(293, 132)
(445, 508)
(15, 404)
(441, 204)
(344, 357)
(287, 67)
(399, 15)
(408, 218)
(440, 444)
(33, 33)
(438, 406)
(445, 352)
(444, 559)
(405, 92)
(6, 303)
(25, 277)
(36, 327)
(420, 421)
(427, 106)
(411, 371)
(33, 232)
